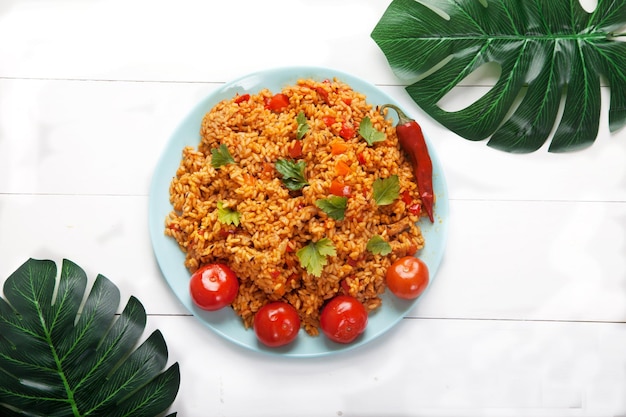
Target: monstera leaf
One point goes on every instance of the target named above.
(548, 52)
(60, 357)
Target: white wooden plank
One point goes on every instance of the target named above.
(532, 260)
(422, 367)
(142, 40)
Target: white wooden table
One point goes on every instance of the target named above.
(526, 317)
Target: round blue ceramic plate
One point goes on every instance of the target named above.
(171, 259)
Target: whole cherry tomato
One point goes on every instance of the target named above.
(276, 324)
(213, 286)
(343, 319)
(407, 277)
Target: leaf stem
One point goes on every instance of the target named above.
(57, 361)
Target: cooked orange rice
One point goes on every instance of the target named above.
(274, 222)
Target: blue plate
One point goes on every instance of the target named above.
(171, 259)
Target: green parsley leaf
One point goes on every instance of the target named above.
(220, 156)
(386, 191)
(303, 126)
(227, 215)
(369, 133)
(313, 257)
(293, 173)
(334, 206)
(378, 246)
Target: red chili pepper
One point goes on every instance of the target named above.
(413, 143)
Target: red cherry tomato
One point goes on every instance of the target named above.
(276, 324)
(278, 102)
(343, 319)
(407, 277)
(213, 286)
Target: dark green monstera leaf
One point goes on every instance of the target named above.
(546, 50)
(60, 357)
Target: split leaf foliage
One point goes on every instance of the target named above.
(551, 55)
(60, 357)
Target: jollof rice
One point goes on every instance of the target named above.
(274, 222)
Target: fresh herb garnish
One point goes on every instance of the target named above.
(378, 246)
(227, 215)
(386, 190)
(369, 132)
(66, 348)
(313, 257)
(303, 126)
(220, 156)
(293, 173)
(334, 206)
(572, 50)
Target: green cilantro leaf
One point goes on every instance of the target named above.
(369, 133)
(227, 215)
(334, 206)
(386, 191)
(303, 126)
(313, 256)
(293, 173)
(220, 156)
(378, 246)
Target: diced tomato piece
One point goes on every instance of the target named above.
(293, 279)
(248, 179)
(224, 233)
(277, 103)
(415, 208)
(412, 206)
(295, 150)
(337, 148)
(268, 170)
(342, 169)
(406, 197)
(345, 286)
(275, 273)
(347, 100)
(347, 131)
(361, 158)
(329, 120)
(323, 94)
(242, 98)
(340, 189)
